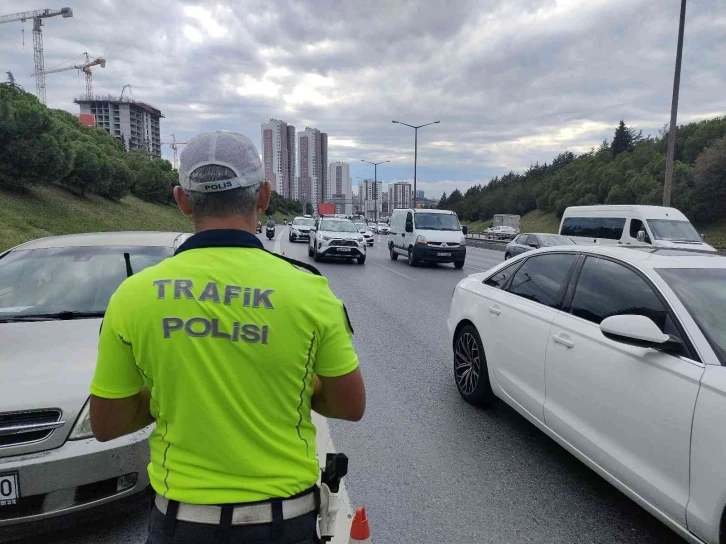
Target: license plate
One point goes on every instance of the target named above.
(344, 249)
(444, 254)
(8, 489)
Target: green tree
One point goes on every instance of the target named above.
(710, 182)
(119, 184)
(87, 169)
(621, 141)
(152, 183)
(625, 139)
(30, 152)
(443, 201)
(12, 83)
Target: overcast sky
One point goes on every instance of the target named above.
(512, 81)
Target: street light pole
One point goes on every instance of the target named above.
(415, 150)
(670, 159)
(375, 186)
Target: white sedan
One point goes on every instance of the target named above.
(502, 232)
(617, 354)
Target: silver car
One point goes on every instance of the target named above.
(53, 295)
(528, 242)
(366, 232)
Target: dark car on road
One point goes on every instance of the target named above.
(527, 242)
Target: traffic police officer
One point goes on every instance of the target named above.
(227, 348)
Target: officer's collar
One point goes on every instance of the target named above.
(221, 238)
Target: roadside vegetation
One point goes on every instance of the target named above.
(628, 170)
(58, 176)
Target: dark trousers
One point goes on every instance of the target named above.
(300, 530)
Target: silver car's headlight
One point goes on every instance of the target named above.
(82, 429)
(360, 239)
(326, 238)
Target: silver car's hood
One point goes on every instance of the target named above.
(47, 363)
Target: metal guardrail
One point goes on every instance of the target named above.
(485, 240)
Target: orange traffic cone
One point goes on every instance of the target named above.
(359, 530)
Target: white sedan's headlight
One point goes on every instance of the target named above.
(360, 239)
(325, 238)
(82, 429)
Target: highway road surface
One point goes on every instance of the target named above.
(429, 468)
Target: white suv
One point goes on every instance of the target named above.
(336, 238)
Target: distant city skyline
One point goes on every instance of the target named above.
(525, 81)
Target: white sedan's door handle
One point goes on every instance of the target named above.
(494, 310)
(563, 341)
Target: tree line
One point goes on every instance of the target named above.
(42, 146)
(628, 170)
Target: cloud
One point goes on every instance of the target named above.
(512, 81)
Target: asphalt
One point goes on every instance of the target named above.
(428, 467)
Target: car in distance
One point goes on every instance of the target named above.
(527, 242)
(366, 232)
(300, 229)
(383, 228)
(53, 295)
(424, 235)
(623, 365)
(502, 232)
(337, 238)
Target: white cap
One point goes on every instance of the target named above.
(229, 149)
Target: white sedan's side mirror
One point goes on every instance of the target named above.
(638, 330)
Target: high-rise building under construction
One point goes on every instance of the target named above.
(137, 123)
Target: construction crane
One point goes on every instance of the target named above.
(173, 145)
(123, 90)
(37, 17)
(85, 68)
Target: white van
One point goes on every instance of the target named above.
(631, 225)
(424, 235)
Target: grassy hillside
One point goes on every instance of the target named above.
(49, 210)
(534, 221)
(539, 221)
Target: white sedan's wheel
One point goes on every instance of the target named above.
(470, 368)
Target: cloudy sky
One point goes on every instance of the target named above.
(512, 81)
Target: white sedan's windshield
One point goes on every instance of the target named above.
(703, 292)
(361, 226)
(303, 221)
(436, 221)
(72, 279)
(342, 225)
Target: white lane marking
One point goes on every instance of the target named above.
(394, 271)
(475, 268)
(278, 241)
(325, 445)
